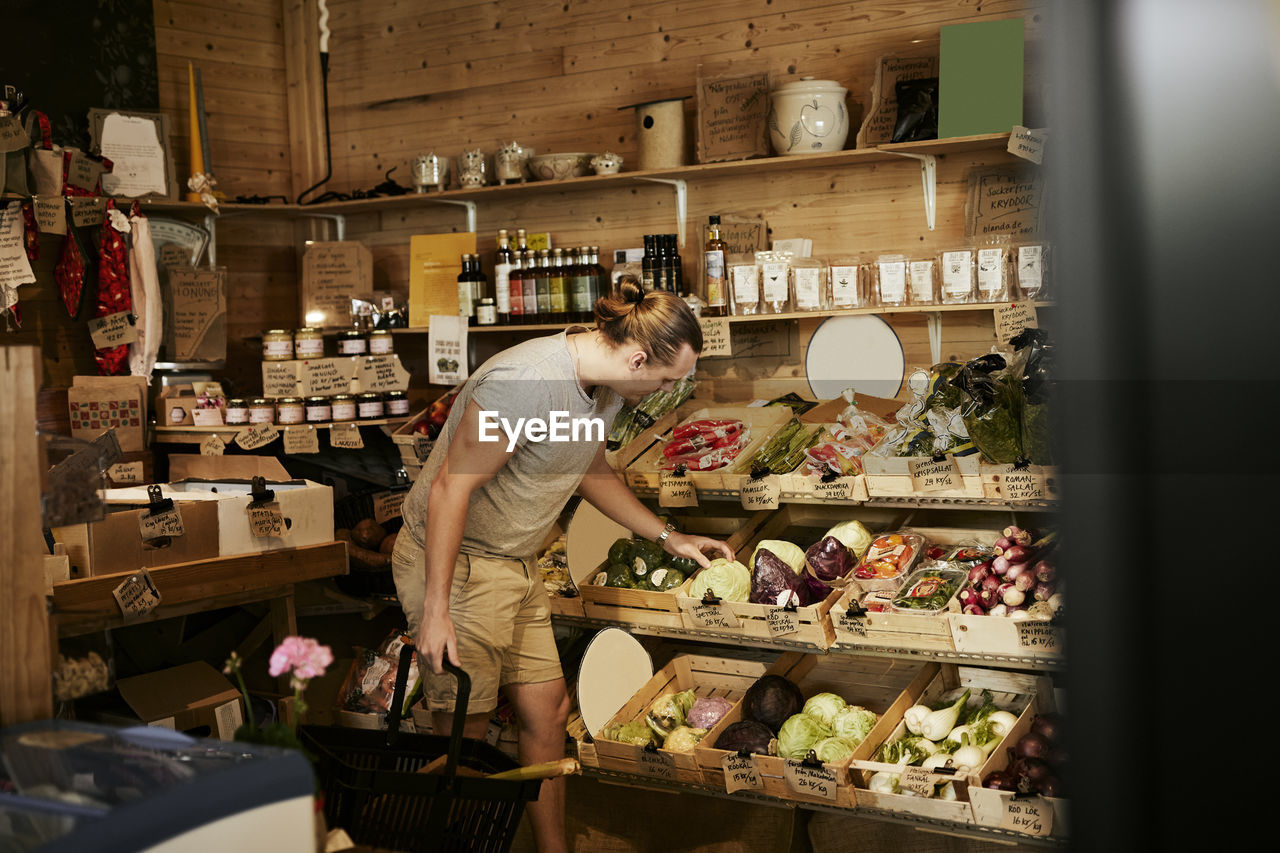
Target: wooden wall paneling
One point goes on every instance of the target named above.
(305, 97)
(25, 647)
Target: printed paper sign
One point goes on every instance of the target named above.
(447, 356)
(761, 494)
(345, 436)
(817, 782)
(212, 446)
(676, 490)
(206, 417)
(266, 520)
(782, 622)
(301, 439)
(740, 773)
(1012, 317)
(713, 616)
(930, 476)
(132, 144)
(715, 337)
(160, 525)
(137, 595)
(257, 436)
(1029, 815)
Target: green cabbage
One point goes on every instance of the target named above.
(668, 712)
(683, 739)
(853, 536)
(635, 732)
(833, 749)
(728, 580)
(824, 707)
(787, 552)
(799, 734)
(854, 723)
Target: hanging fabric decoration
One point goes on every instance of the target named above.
(144, 284)
(30, 233)
(77, 265)
(113, 286)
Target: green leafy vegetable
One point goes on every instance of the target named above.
(727, 579)
(635, 732)
(854, 723)
(824, 707)
(799, 734)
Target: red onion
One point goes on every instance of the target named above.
(988, 598)
(980, 572)
(1050, 786)
(1045, 571)
(1018, 535)
(1031, 745)
(1057, 757)
(992, 582)
(1034, 769)
(1048, 726)
(1043, 591)
(1000, 565)
(975, 610)
(1000, 780)
(1024, 582)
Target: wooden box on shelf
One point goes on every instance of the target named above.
(645, 473)
(561, 604)
(1016, 692)
(991, 807)
(414, 444)
(706, 676)
(1001, 636)
(890, 476)
(1014, 484)
(884, 686)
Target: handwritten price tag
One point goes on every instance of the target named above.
(1028, 143)
(51, 214)
(716, 340)
(386, 505)
(125, 473)
(1012, 317)
(137, 594)
(303, 439)
(113, 330)
(761, 494)
(1026, 485)
(839, 489)
(713, 616)
(918, 780)
(1039, 636)
(1029, 815)
(279, 378)
(930, 476)
(266, 520)
(856, 625)
(782, 622)
(740, 773)
(676, 490)
(818, 782)
(88, 211)
(422, 448)
(160, 525)
(212, 446)
(346, 436)
(657, 765)
(257, 436)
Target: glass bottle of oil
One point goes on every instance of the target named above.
(713, 260)
(542, 285)
(558, 288)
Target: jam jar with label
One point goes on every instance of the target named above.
(237, 411)
(308, 343)
(277, 345)
(289, 410)
(342, 407)
(396, 404)
(261, 411)
(380, 342)
(370, 405)
(352, 342)
(318, 410)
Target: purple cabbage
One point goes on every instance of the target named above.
(774, 582)
(707, 711)
(745, 736)
(771, 700)
(829, 560)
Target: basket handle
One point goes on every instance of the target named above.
(459, 710)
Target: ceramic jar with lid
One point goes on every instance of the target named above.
(808, 116)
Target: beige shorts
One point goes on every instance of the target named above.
(502, 619)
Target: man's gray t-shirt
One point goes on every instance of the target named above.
(510, 515)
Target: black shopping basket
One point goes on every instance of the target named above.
(373, 791)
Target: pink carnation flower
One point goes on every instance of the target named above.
(302, 657)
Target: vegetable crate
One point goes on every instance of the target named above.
(586, 745)
(415, 447)
(707, 677)
(890, 476)
(905, 630)
(566, 601)
(644, 608)
(622, 457)
(887, 687)
(992, 808)
(1003, 636)
(1012, 691)
(645, 473)
(1033, 484)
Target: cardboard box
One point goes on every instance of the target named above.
(194, 698)
(97, 404)
(115, 544)
(190, 466)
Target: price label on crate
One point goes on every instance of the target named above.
(839, 489)
(422, 448)
(1029, 815)
(137, 594)
(676, 490)
(259, 435)
(819, 782)
(160, 525)
(761, 494)
(301, 439)
(740, 773)
(930, 476)
(126, 473)
(657, 764)
(346, 436)
(1024, 485)
(266, 519)
(718, 615)
(917, 780)
(1039, 636)
(855, 624)
(212, 446)
(782, 621)
(386, 505)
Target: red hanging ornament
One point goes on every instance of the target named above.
(113, 287)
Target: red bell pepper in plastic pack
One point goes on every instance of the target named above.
(719, 436)
(711, 458)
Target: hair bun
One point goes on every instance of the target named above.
(633, 295)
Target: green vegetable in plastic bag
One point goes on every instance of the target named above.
(992, 410)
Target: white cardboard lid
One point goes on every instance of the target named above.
(587, 540)
(614, 667)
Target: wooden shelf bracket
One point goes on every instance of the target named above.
(929, 179)
(469, 205)
(682, 202)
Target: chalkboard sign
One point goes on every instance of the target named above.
(73, 55)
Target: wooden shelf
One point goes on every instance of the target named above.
(185, 434)
(87, 605)
(890, 153)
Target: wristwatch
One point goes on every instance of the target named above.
(666, 531)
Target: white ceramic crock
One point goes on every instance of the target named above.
(808, 117)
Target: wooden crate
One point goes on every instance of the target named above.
(622, 457)
(1041, 479)
(584, 743)
(414, 449)
(1002, 636)
(801, 524)
(561, 605)
(706, 676)
(644, 474)
(989, 806)
(1013, 691)
(890, 476)
(887, 687)
(905, 630)
(641, 607)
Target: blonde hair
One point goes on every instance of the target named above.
(658, 321)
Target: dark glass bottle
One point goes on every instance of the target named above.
(676, 266)
(648, 276)
(575, 274)
(479, 288)
(466, 303)
(558, 288)
(599, 280)
(542, 286)
(531, 287)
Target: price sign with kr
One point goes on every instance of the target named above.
(740, 773)
(854, 623)
(817, 782)
(346, 436)
(761, 494)
(712, 616)
(1029, 815)
(1038, 636)
(265, 520)
(657, 765)
(930, 476)
(782, 621)
(676, 490)
(166, 524)
(137, 595)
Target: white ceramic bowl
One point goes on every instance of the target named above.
(808, 117)
(557, 167)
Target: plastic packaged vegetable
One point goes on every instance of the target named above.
(890, 556)
(992, 409)
(929, 589)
